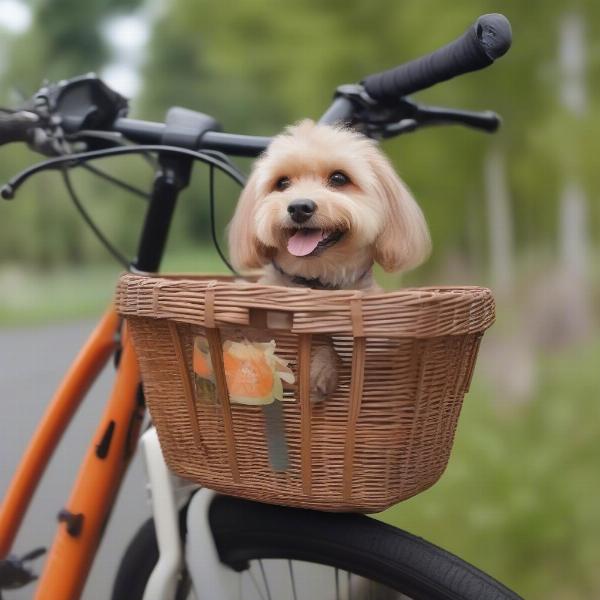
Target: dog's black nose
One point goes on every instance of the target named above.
(301, 210)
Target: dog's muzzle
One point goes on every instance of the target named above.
(301, 210)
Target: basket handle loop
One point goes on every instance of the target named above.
(356, 316)
(209, 305)
(356, 389)
(215, 345)
(156, 290)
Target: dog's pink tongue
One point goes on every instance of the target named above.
(304, 241)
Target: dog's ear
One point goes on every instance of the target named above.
(245, 251)
(404, 242)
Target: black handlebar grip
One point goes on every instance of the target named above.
(485, 41)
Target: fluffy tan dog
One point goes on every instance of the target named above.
(321, 206)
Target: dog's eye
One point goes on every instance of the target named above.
(338, 179)
(282, 183)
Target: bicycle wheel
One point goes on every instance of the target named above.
(139, 560)
(282, 553)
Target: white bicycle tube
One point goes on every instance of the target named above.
(162, 583)
(211, 579)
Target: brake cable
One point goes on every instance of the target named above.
(132, 189)
(9, 189)
(69, 161)
(213, 229)
(118, 256)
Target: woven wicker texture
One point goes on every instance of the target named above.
(384, 435)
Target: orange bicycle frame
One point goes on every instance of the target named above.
(101, 471)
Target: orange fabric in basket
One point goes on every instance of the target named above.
(249, 377)
(253, 372)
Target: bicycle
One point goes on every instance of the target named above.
(199, 542)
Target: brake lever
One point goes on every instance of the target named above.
(487, 120)
(388, 119)
(398, 128)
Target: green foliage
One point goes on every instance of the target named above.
(39, 296)
(65, 40)
(258, 64)
(41, 227)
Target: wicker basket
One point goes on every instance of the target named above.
(385, 434)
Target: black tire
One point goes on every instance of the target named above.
(139, 561)
(245, 531)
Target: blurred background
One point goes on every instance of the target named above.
(518, 211)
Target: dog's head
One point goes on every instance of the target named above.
(325, 202)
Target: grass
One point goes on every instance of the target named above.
(31, 297)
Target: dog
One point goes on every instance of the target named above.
(321, 206)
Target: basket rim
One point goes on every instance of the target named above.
(218, 281)
(419, 312)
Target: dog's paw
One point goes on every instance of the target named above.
(323, 372)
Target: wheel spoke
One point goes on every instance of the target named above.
(264, 575)
(275, 577)
(349, 585)
(292, 579)
(256, 586)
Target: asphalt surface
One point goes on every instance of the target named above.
(32, 362)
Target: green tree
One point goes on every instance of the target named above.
(65, 39)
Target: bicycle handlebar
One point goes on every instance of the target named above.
(85, 109)
(148, 132)
(485, 41)
(15, 126)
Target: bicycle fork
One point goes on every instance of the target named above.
(168, 493)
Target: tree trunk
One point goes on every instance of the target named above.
(499, 221)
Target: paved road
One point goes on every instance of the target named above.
(31, 364)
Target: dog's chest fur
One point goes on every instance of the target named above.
(273, 274)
